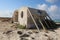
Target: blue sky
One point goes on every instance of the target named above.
(52, 7)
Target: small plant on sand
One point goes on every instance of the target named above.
(21, 26)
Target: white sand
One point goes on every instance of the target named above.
(33, 34)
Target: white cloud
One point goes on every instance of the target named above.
(51, 1)
(42, 6)
(5, 13)
(53, 10)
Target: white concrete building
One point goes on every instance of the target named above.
(23, 16)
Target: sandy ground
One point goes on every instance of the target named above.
(7, 32)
